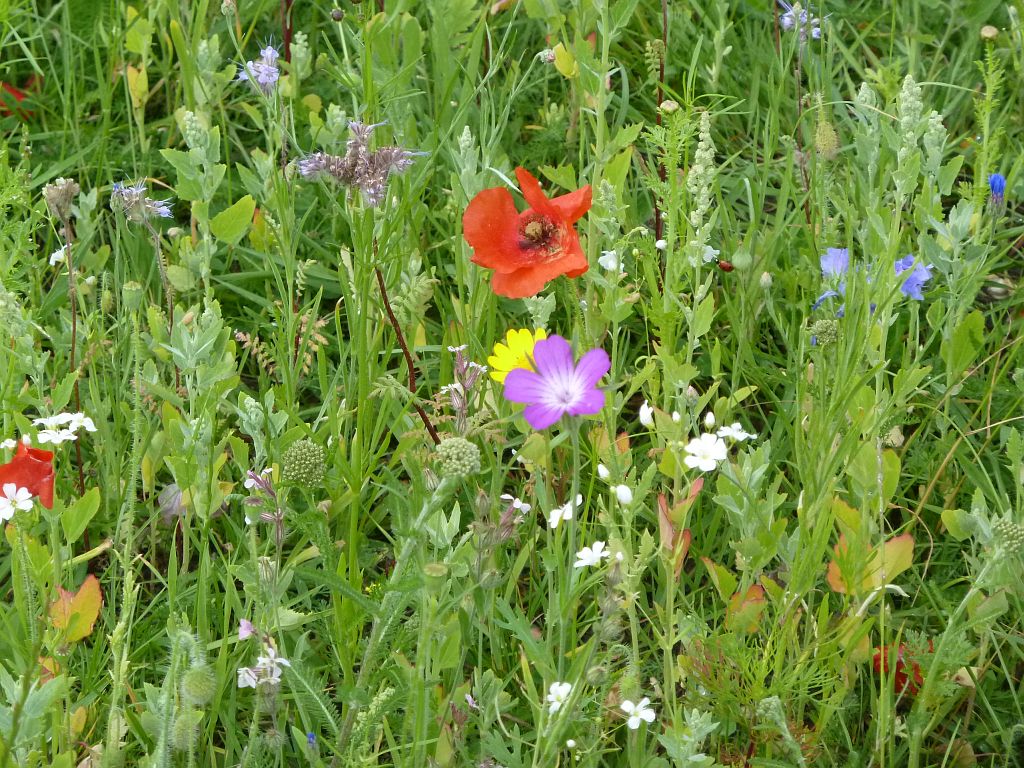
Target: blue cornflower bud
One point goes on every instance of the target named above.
(997, 186)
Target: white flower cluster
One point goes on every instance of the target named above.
(267, 671)
(55, 430)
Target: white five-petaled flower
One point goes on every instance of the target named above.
(14, 499)
(602, 472)
(246, 629)
(516, 503)
(637, 712)
(705, 452)
(558, 693)
(735, 432)
(710, 254)
(273, 665)
(610, 260)
(564, 512)
(661, 245)
(646, 415)
(623, 494)
(9, 443)
(72, 421)
(592, 555)
(58, 256)
(55, 436)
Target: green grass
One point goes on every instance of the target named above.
(424, 623)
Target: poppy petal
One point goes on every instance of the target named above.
(489, 226)
(572, 206)
(534, 195)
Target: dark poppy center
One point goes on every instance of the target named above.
(537, 232)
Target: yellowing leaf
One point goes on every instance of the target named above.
(565, 62)
(76, 613)
(138, 86)
(724, 581)
(744, 611)
(863, 570)
(230, 224)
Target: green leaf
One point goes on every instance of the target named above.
(75, 519)
(564, 175)
(703, 316)
(231, 224)
(967, 340)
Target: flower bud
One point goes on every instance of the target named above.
(59, 197)
(457, 457)
(304, 464)
(199, 685)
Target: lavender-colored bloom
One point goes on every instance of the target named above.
(997, 186)
(919, 275)
(558, 386)
(131, 200)
(263, 72)
(802, 20)
(359, 167)
(835, 262)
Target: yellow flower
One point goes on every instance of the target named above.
(516, 352)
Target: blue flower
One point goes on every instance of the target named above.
(919, 275)
(130, 199)
(834, 263)
(997, 186)
(801, 20)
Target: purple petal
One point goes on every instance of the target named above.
(553, 357)
(523, 386)
(592, 367)
(821, 299)
(902, 265)
(835, 262)
(589, 403)
(542, 416)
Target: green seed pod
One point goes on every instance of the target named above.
(199, 685)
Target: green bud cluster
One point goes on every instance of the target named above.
(457, 457)
(1009, 534)
(304, 464)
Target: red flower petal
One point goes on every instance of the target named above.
(31, 468)
(572, 206)
(490, 226)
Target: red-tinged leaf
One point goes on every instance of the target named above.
(76, 612)
(682, 549)
(834, 576)
(724, 581)
(744, 611)
(666, 530)
(875, 568)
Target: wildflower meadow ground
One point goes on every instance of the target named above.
(511, 384)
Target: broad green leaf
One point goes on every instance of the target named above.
(76, 518)
(231, 224)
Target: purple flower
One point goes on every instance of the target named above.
(558, 386)
(262, 73)
(919, 275)
(835, 262)
(799, 18)
(131, 200)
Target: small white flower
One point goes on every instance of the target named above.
(570, 743)
(73, 422)
(610, 260)
(661, 245)
(564, 512)
(55, 436)
(676, 417)
(592, 555)
(471, 702)
(602, 472)
(58, 256)
(247, 677)
(637, 712)
(271, 666)
(710, 254)
(705, 452)
(623, 494)
(619, 556)
(558, 693)
(460, 348)
(15, 499)
(583, 304)
(516, 503)
(709, 419)
(735, 432)
(646, 415)
(9, 443)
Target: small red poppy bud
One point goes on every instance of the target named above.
(726, 266)
(31, 468)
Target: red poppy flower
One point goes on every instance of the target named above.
(31, 468)
(901, 679)
(528, 249)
